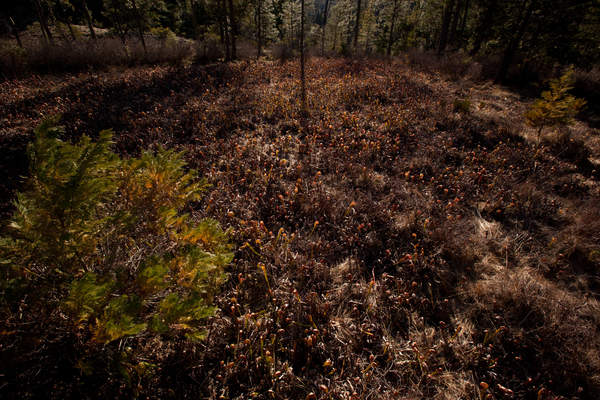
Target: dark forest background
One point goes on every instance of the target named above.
(518, 38)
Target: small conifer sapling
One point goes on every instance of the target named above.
(557, 107)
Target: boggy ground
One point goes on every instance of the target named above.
(391, 244)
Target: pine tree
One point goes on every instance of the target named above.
(557, 107)
(106, 241)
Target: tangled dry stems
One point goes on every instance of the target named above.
(389, 247)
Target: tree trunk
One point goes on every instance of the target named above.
(233, 30)
(227, 47)
(335, 36)
(325, 12)
(367, 34)
(43, 18)
(446, 17)
(15, 31)
(221, 31)
(392, 24)
(56, 23)
(484, 24)
(302, 61)
(71, 31)
(121, 31)
(192, 10)
(139, 25)
(357, 23)
(454, 24)
(291, 35)
(224, 28)
(463, 22)
(259, 28)
(88, 19)
(514, 43)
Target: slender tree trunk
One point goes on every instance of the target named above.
(56, 23)
(53, 20)
(335, 36)
(224, 28)
(88, 19)
(70, 27)
(325, 13)
(357, 23)
(463, 22)
(46, 29)
(483, 26)
(221, 32)
(367, 35)
(139, 25)
(44, 36)
(446, 17)
(259, 28)
(233, 29)
(392, 24)
(15, 31)
(514, 43)
(43, 18)
(454, 24)
(121, 32)
(302, 60)
(192, 10)
(292, 44)
(227, 44)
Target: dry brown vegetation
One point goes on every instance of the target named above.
(390, 244)
(83, 54)
(39, 58)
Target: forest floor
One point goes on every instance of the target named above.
(396, 242)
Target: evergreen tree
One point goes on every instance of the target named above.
(106, 241)
(557, 107)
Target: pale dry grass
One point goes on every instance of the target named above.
(567, 324)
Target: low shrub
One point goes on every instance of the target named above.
(462, 106)
(13, 60)
(245, 49)
(171, 51)
(454, 66)
(282, 53)
(81, 55)
(208, 50)
(162, 33)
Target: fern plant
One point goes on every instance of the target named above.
(557, 107)
(109, 236)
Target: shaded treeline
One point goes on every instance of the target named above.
(520, 36)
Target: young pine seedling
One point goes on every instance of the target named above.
(557, 107)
